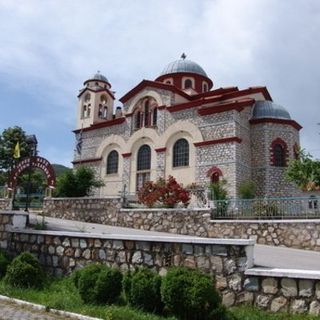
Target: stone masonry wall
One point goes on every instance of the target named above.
(5, 204)
(300, 234)
(281, 294)
(88, 209)
(61, 253)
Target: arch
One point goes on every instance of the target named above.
(113, 139)
(112, 162)
(180, 155)
(144, 158)
(214, 173)
(278, 153)
(32, 162)
(143, 133)
(142, 95)
(182, 126)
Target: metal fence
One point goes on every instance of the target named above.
(35, 200)
(267, 208)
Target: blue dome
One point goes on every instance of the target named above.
(98, 76)
(183, 65)
(268, 109)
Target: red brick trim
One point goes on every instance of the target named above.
(237, 105)
(217, 92)
(213, 170)
(127, 155)
(278, 141)
(103, 124)
(161, 149)
(218, 141)
(289, 122)
(86, 160)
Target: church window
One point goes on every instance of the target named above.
(89, 110)
(100, 111)
(168, 82)
(146, 114)
(187, 83)
(279, 156)
(143, 166)
(279, 153)
(84, 112)
(181, 153)
(137, 120)
(105, 112)
(112, 162)
(205, 87)
(154, 116)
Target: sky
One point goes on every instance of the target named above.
(49, 48)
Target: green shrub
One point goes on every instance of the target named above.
(25, 271)
(98, 284)
(191, 295)
(4, 262)
(85, 281)
(142, 289)
(108, 286)
(247, 190)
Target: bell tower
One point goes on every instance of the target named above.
(96, 101)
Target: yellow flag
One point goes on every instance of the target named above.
(16, 151)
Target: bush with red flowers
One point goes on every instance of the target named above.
(163, 192)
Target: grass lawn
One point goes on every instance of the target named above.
(62, 295)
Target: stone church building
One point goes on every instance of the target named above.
(181, 125)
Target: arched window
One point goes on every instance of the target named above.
(105, 112)
(144, 158)
(168, 82)
(215, 177)
(181, 153)
(112, 162)
(146, 114)
(204, 87)
(155, 116)
(137, 120)
(279, 155)
(89, 110)
(143, 166)
(84, 112)
(100, 111)
(187, 83)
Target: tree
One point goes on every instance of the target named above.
(304, 172)
(8, 141)
(77, 183)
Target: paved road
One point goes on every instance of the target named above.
(13, 311)
(264, 256)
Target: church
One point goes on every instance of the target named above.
(181, 125)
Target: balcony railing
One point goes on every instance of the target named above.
(267, 208)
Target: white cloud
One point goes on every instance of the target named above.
(52, 46)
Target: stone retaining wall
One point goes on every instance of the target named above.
(88, 209)
(62, 252)
(282, 294)
(300, 234)
(10, 221)
(5, 204)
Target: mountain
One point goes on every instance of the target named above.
(59, 169)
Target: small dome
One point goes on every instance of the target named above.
(183, 65)
(268, 109)
(98, 77)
